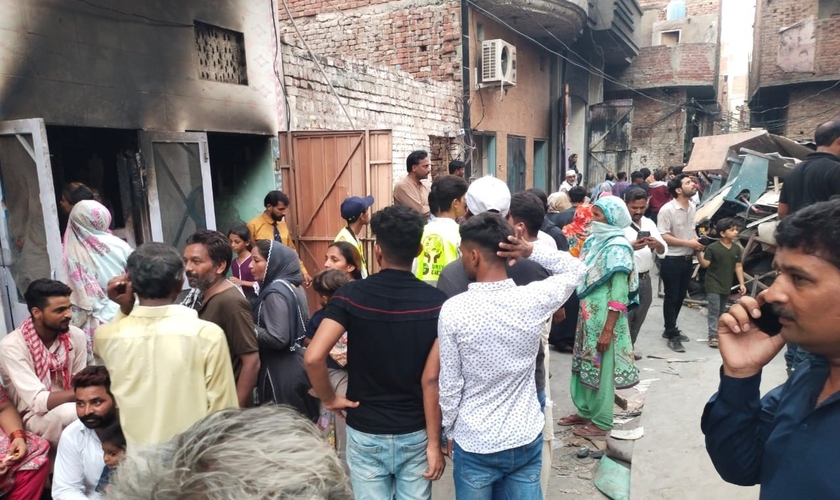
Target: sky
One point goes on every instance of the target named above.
(736, 33)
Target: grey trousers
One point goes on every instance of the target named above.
(637, 316)
(717, 306)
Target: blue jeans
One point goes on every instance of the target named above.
(716, 306)
(515, 473)
(541, 399)
(384, 464)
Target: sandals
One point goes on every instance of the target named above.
(570, 420)
(713, 342)
(590, 431)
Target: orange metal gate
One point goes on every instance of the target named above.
(325, 168)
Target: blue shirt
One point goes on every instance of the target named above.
(783, 441)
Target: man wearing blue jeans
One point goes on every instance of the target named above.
(489, 337)
(391, 320)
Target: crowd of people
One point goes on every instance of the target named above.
(124, 382)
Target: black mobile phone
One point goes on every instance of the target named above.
(642, 235)
(769, 320)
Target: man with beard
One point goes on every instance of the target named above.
(786, 441)
(676, 224)
(644, 247)
(271, 225)
(79, 462)
(207, 259)
(38, 360)
(169, 368)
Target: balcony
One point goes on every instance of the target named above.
(615, 29)
(564, 19)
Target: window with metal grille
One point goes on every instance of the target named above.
(221, 54)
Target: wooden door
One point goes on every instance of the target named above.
(320, 170)
(516, 163)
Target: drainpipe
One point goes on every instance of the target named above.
(465, 79)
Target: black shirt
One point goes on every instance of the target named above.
(556, 233)
(312, 327)
(814, 180)
(391, 320)
(564, 218)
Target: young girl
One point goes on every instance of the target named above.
(240, 240)
(325, 285)
(113, 448)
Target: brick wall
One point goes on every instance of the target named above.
(807, 112)
(778, 14)
(658, 130)
(422, 39)
(692, 7)
(394, 67)
(692, 64)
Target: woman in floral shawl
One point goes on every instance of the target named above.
(603, 354)
(24, 465)
(578, 230)
(92, 256)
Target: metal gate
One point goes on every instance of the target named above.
(180, 191)
(30, 241)
(610, 135)
(325, 168)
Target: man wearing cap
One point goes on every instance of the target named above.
(570, 182)
(410, 191)
(354, 210)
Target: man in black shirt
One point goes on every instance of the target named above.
(814, 180)
(818, 177)
(577, 195)
(392, 407)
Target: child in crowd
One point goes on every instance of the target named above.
(240, 267)
(113, 448)
(325, 285)
(722, 260)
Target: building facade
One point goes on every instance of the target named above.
(171, 114)
(794, 78)
(673, 83)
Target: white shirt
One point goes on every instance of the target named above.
(544, 238)
(679, 222)
(489, 337)
(644, 256)
(565, 186)
(78, 464)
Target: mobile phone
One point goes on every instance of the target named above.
(769, 320)
(642, 235)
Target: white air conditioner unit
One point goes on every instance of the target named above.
(498, 63)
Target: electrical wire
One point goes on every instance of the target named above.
(280, 80)
(800, 102)
(318, 64)
(595, 71)
(140, 17)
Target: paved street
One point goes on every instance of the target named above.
(670, 461)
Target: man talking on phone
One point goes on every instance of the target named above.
(786, 441)
(645, 238)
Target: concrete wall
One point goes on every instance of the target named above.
(395, 65)
(658, 129)
(74, 64)
(523, 110)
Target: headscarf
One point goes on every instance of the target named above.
(92, 256)
(282, 273)
(557, 202)
(607, 250)
(578, 230)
